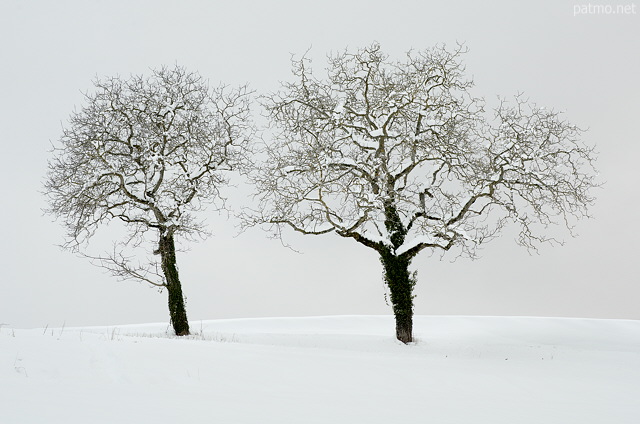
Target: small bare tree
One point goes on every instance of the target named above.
(149, 152)
(398, 156)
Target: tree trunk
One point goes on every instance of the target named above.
(177, 310)
(396, 271)
(401, 283)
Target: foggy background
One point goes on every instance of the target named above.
(586, 65)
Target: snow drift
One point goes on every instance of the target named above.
(344, 369)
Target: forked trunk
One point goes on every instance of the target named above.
(401, 283)
(177, 310)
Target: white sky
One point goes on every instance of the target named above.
(586, 65)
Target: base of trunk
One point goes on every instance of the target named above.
(177, 311)
(404, 330)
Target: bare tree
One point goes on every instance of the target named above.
(399, 157)
(149, 152)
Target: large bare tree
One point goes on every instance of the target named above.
(400, 157)
(149, 152)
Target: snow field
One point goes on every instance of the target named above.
(343, 369)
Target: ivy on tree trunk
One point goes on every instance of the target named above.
(401, 283)
(397, 275)
(177, 310)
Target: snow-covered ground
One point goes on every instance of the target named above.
(346, 369)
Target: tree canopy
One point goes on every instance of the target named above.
(149, 152)
(399, 156)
